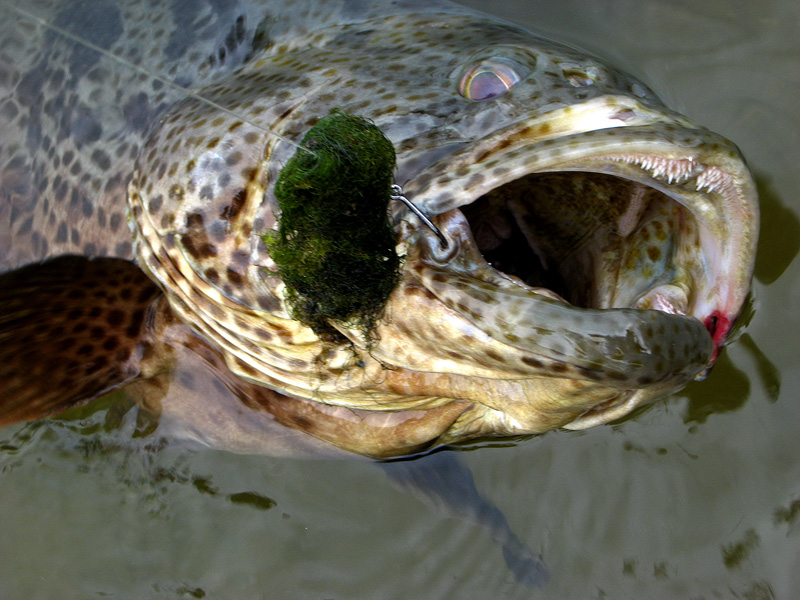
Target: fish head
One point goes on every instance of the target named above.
(598, 246)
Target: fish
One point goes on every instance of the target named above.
(599, 246)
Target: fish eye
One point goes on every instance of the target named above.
(490, 78)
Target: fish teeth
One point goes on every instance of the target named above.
(671, 170)
(712, 179)
(708, 179)
(670, 298)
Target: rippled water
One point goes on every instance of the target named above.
(697, 497)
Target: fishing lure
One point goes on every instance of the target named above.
(335, 245)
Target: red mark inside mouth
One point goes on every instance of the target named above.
(718, 326)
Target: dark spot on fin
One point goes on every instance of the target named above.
(262, 39)
(70, 330)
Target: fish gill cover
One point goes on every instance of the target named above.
(335, 245)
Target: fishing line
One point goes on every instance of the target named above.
(25, 14)
(396, 191)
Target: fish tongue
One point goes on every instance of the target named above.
(628, 348)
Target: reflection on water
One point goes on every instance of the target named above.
(728, 387)
(780, 230)
(697, 497)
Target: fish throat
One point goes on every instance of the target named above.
(595, 240)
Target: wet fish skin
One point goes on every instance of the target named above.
(74, 121)
(200, 184)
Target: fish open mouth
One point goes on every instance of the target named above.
(557, 230)
(594, 240)
(621, 245)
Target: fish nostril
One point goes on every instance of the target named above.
(579, 77)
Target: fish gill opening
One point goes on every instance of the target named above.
(565, 231)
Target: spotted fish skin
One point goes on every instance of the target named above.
(200, 184)
(80, 323)
(73, 121)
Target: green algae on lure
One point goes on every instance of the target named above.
(335, 246)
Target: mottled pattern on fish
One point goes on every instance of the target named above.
(91, 332)
(76, 120)
(73, 121)
(482, 114)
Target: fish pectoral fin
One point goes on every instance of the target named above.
(71, 329)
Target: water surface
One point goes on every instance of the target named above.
(696, 497)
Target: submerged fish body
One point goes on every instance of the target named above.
(600, 246)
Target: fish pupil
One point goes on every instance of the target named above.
(486, 85)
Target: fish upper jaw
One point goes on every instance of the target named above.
(661, 150)
(697, 177)
(716, 187)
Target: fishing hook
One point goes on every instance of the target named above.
(397, 194)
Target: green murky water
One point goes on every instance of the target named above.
(697, 497)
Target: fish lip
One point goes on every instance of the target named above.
(620, 136)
